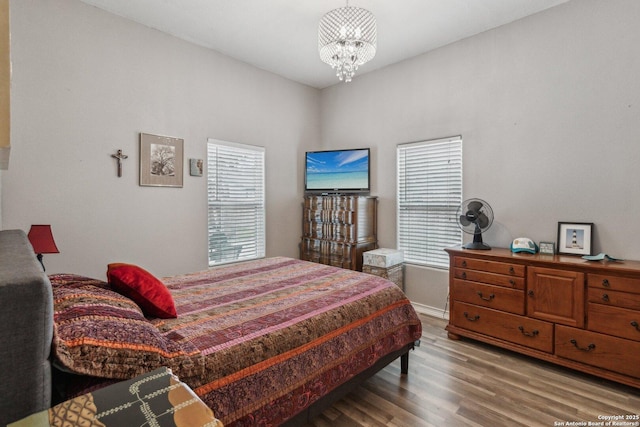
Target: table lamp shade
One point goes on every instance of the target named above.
(41, 239)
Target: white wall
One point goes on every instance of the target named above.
(549, 111)
(85, 84)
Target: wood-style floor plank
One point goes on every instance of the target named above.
(467, 383)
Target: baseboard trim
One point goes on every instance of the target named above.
(430, 311)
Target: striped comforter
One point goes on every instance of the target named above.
(266, 339)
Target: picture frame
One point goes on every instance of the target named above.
(161, 161)
(547, 248)
(196, 167)
(575, 238)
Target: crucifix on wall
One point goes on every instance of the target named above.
(120, 157)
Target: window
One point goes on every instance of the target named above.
(429, 194)
(235, 186)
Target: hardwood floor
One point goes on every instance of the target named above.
(467, 383)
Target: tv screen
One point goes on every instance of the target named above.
(345, 171)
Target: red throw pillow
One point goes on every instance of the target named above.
(143, 288)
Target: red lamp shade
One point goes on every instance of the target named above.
(41, 239)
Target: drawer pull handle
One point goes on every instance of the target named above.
(463, 275)
(512, 270)
(464, 263)
(605, 297)
(530, 293)
(489, 298)
(471, 319)
(533, 333)
(605, 283)
(588, 348)
(512, 282)
(635, 325)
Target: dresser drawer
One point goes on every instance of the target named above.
(490, 266)
(614, 298)
(496, 297)
(614, 321)
(509, 327)
(615, 354)
(490, 278)
(614, 283)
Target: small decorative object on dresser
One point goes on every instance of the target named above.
(547, 248)
(387, 263)
(562, 309)
(574, 238)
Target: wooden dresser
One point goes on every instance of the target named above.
(338, 229)
(580, 314)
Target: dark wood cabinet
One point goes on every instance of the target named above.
(580, 314)
(338, 229)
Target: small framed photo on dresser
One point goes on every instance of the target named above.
(547, 248)
(574, 238)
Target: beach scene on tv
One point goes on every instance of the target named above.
(338, 170)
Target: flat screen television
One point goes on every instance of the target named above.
(338, 171)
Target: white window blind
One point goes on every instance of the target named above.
(429, 194)
(235, 186)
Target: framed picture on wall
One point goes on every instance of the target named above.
(161, 160)
(575, 238)
(196, 167)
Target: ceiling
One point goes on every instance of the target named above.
(280, 36)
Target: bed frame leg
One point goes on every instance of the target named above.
(404, 363)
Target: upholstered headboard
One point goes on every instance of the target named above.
(26, 329)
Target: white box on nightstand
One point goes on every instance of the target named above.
(387, 263)
(383, 257)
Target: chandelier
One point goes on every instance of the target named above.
(347, 39)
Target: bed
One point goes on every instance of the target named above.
(267, 342)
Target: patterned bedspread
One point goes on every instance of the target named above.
(260, 341)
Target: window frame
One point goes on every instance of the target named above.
(439, 209)
(232, 242)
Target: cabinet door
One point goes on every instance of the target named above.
(556, 295)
